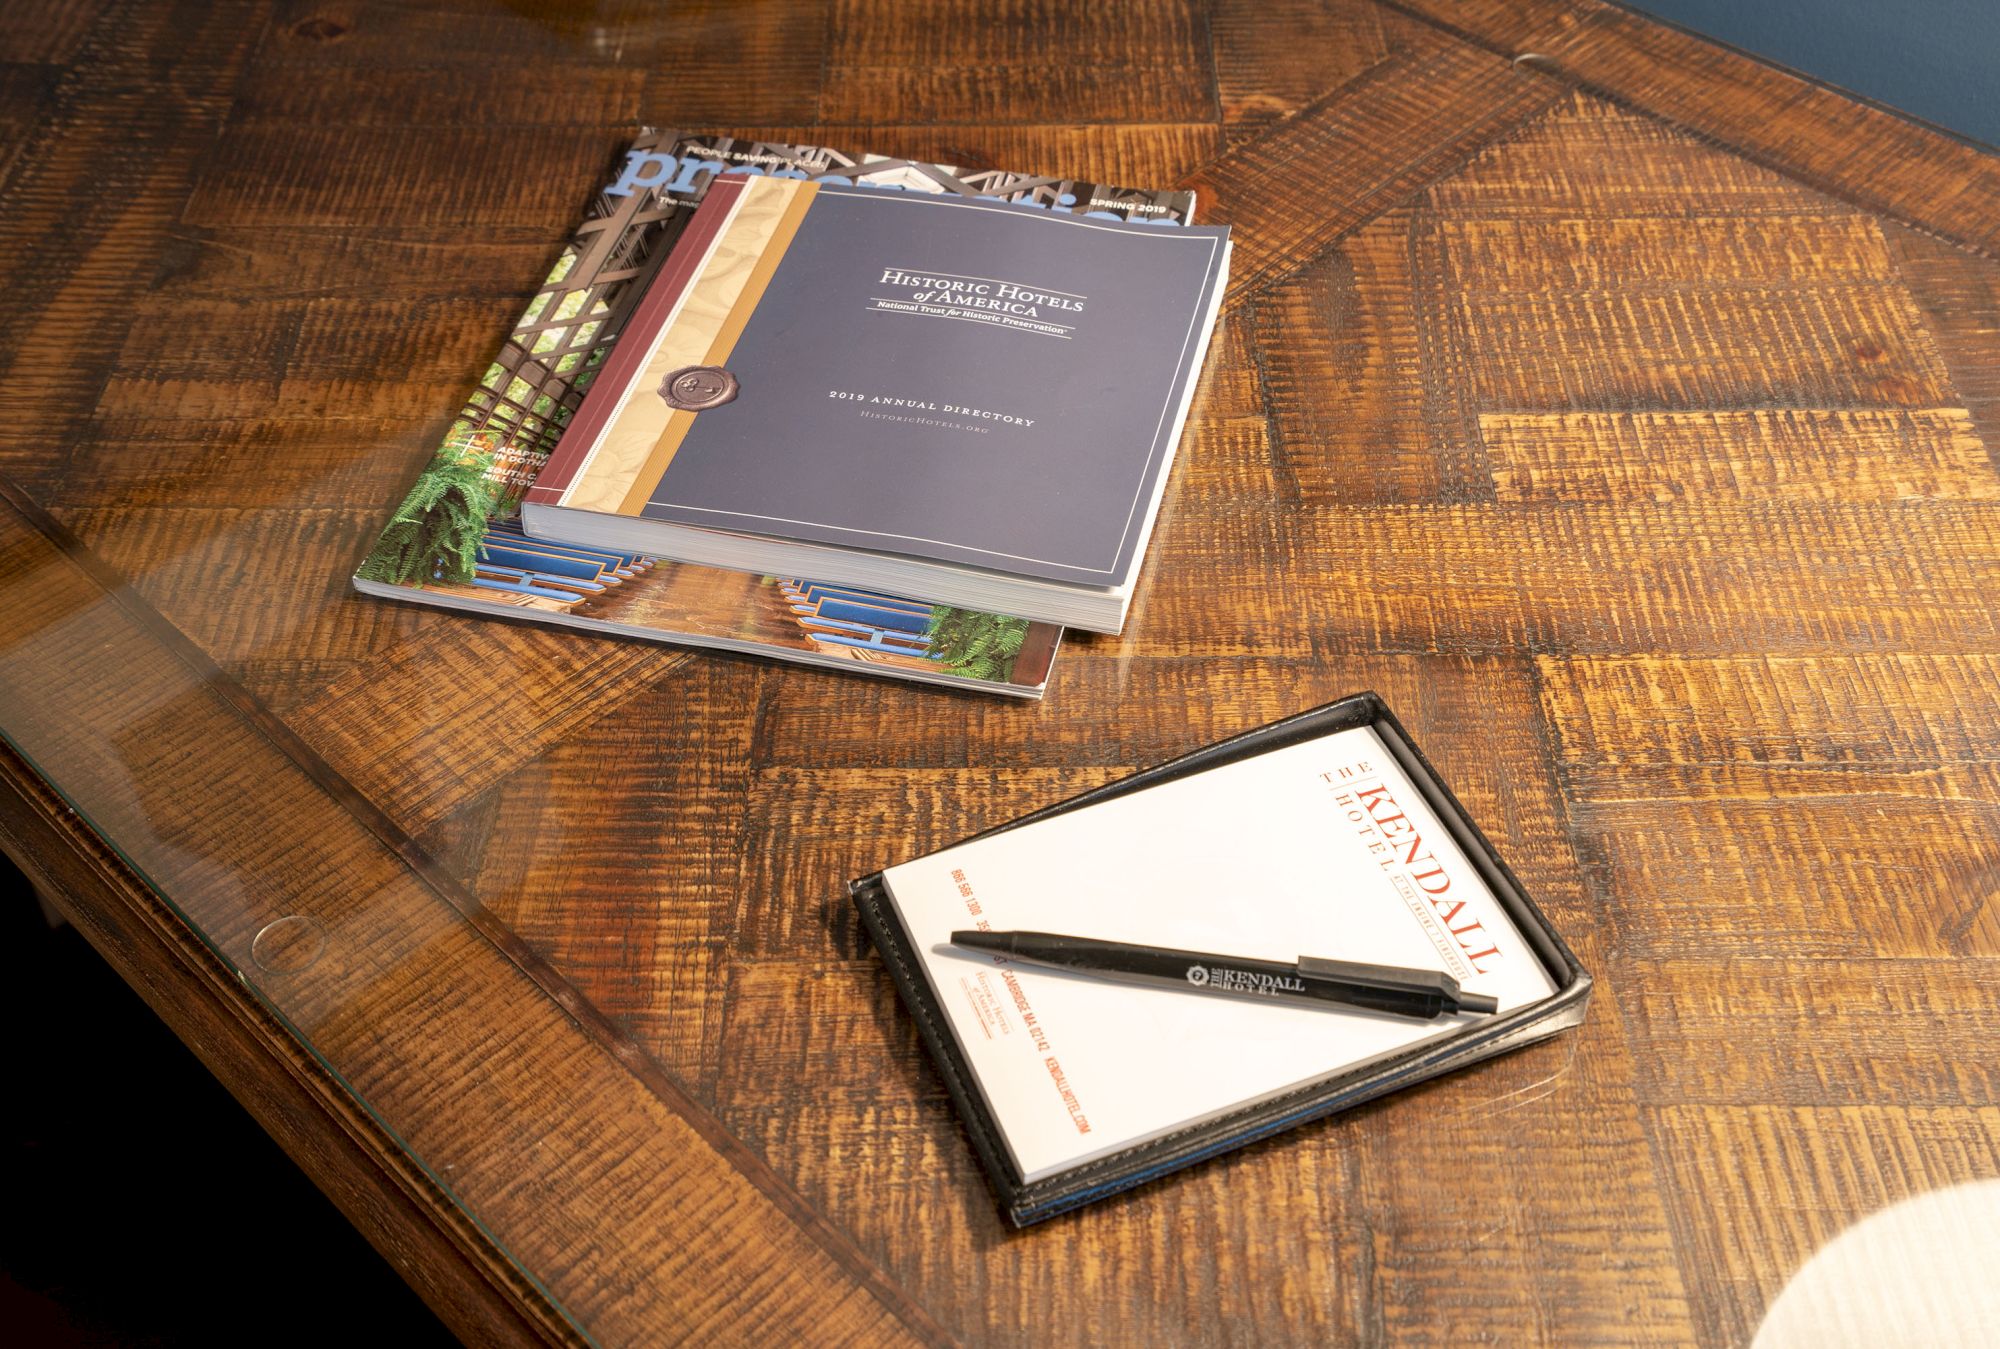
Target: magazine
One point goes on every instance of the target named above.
(456, 542)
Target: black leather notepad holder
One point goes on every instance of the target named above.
(1027, 1202)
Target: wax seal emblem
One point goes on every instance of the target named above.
(1197, 975)
(696, 388)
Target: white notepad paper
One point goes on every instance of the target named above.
(1325, 849)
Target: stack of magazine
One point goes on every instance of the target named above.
(826, 383)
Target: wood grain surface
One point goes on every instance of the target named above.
(1621, 409)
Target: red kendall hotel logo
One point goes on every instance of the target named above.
(1401, 851)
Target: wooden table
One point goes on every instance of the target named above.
(1620, 408)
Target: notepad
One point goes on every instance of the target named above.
(1321, 846)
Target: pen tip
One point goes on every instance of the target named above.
(1484, 1003)
(978, 941)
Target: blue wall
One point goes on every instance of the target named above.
(1935, 59)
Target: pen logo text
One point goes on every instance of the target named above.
(1225, 980)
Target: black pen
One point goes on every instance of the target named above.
(1311, 982)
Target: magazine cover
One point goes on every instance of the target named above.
(456, 540)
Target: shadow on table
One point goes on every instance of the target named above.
(145, 1207)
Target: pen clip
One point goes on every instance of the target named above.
(1379, 976)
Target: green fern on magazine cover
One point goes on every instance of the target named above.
(976, 645)
(435, 533)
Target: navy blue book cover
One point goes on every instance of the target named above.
(968, 381)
